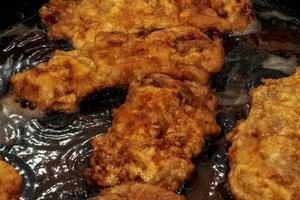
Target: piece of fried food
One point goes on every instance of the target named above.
(137, 192)
(10, 182)
(155, 134)
(118, 59)
(79, 21)
(265, 152)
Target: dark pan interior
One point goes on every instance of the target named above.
(52, 150)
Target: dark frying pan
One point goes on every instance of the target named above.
(52, 150)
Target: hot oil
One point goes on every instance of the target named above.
(52, 150)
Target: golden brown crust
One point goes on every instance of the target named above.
(265, 155)
(239, 13)
(118, 59)
(154, 134)
(137, 192)
(10, 182)
(80, 21)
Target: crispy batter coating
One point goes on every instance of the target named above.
(80, 21)
(265, 152)
(155, 134)
(10, 182)
(137, 192)
(118, 59)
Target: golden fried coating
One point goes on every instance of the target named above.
(79, 21)
(265, 152)
(154, 134)
(10, 182)
(118, 59)
(137, 192)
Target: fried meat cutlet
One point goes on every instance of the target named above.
(79, 21)
(154, 134)
(10, 182)
(117, 60)
(265, 152)
(137, 192)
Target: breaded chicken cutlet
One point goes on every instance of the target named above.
(265, 153)
(155, 134)
(117, 60)
(80, 21)
(137, 192)
(10, 182)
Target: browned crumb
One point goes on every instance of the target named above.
(155, 134)
(10, 182)
(137, 192)
(80, 21)
(265, 152)
(117, 60)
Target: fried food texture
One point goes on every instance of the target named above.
(265, 152)
(117, 60)
(137, 192)
(80, 21)
(154, 134)
(10, 182)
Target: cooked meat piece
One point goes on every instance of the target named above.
(10, 182)
(118, 59)
(154, 134)
(137, 192)
(79, 21)
(265, 152)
